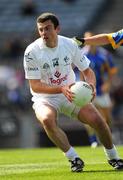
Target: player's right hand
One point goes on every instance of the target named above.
(67, 92)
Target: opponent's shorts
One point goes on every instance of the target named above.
(59, 102)
(103, 101)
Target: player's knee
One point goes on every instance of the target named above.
(48, 124)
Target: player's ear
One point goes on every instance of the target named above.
(58, 29)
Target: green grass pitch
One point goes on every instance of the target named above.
(50, 164)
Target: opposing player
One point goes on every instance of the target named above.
(115, 39)
(105, 71)
(47, 64)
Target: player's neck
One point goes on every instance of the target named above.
(52, 44)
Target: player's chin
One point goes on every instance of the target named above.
(45, 39)
(47, 42)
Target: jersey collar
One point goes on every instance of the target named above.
(42, 45)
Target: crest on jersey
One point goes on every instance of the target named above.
(57, 74)
(55, 62)
(66, 60)
(46, 66)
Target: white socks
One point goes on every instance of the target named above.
(111, 153)
(71, 154)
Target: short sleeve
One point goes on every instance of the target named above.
(80, 60)
(31, 65)
(116, 39)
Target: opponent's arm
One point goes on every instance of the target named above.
(100, 39)
(115, 39)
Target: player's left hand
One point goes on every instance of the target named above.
(93, 91)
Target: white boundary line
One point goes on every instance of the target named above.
(9, 169)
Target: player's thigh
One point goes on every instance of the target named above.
(90, 115)
(106, 113)
(46, 113)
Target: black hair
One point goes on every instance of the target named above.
(48, 16)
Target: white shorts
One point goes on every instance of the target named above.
(103, 101)
(59, 102)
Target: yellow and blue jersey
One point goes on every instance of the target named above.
(116, 38)
(102, 64)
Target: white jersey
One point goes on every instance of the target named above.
(53, 65)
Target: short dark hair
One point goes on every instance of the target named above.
(48, 16)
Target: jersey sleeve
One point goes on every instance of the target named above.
(80, 60)
(116, 38)
(31, 67)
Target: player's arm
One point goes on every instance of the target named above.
(40, 87)
(89, 76)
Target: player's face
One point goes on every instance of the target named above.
(48, 33)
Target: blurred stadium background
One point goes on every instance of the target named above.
(18, 125)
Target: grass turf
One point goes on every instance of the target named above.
(50, 164)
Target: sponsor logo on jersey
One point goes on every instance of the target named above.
(55, 62)
(57, 74)
(32, 69)
(58, 81)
